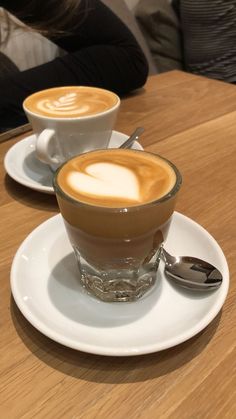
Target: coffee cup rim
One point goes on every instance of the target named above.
(74, 118)
(173, 191)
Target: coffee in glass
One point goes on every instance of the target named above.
(117, 207)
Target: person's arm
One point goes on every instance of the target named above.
(101, 52)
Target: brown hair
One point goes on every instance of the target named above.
(49, 17)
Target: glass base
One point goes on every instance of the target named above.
(115, 285)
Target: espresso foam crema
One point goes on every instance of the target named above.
(116, 178)
(71, 101)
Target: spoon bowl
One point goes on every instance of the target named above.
(192, 273)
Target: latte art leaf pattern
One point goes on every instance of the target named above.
(64, 104)
(71, 101)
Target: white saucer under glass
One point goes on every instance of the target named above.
(45, 286)
(22, 165)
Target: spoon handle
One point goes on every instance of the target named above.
(134, 137)
(168, 259)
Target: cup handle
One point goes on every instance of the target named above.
(43, 147)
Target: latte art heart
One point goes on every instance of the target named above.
(116, 178)
(107, 180)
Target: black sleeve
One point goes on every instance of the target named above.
(100, 51)
(176, 7)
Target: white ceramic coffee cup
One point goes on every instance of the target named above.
(60, 138)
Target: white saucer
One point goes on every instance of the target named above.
(22, 165)
(46, 289)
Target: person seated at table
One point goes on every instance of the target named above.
(209, 37)
(98, 50)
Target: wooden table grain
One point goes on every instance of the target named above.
(192, 121)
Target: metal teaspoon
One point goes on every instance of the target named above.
(187, 271)
(134, 137)
(192, 273)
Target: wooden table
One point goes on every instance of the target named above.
(192, 121)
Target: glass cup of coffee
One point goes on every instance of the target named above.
(70, 120)
(117, 207)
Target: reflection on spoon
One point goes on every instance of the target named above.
(192, 273)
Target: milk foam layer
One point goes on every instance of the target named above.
(116, 178)
(71, 101)
(105, 179)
